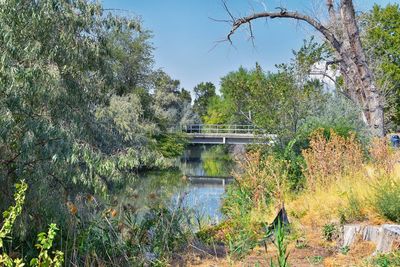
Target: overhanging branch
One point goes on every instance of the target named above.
(237, 23)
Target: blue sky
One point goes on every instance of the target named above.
(185, 36)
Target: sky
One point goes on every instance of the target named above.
(189, 44)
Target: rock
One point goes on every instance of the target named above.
(385, 237)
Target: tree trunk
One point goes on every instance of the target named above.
(357, 75)
(343, 34)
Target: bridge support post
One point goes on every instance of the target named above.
(224, 140)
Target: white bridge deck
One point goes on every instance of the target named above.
(227, 134)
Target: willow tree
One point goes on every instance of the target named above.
(342, 33)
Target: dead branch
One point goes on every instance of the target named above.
(283, 13)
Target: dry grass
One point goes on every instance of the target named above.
(340, 186)
(383, 156)
(328, 160)
(327, 204)
(354, 257)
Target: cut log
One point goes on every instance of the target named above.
(386, 237)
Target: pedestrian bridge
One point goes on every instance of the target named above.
(227, 134)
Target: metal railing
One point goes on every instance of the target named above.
(222, 129)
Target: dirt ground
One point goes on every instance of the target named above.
(313, 251)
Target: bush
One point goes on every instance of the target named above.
(387, 260)
(352, 210)
(387, 199)
(45, 240)
(382, 155)
(329, 159)
(130, 237)
(171, 145)
(329, 231)
(249, 198)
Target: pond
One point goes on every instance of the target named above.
(195, 183)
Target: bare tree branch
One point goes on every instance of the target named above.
(227, 10)
(237, 23)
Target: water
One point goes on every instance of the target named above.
(200, 195)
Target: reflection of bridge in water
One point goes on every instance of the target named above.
(227, 134)
(210, 179)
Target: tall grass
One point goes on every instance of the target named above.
(346, 187)
(328, 160)
(128, 236)
(250, 198)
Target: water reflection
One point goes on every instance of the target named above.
(203, 197)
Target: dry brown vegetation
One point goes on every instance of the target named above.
(328, 160)
(341, 187)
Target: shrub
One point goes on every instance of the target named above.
(387, 199)
(130, 237)
(329, 231)
(382, 155)
(45, 240)
(248, 199)
(352, 210)
(387, 260)
(329, 159)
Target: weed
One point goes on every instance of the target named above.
(45, 241)
(315, 260)
(280, 243)
(301, 243)
(329, 231)
(328, 160)
(344, 250)
(387, 199)
(382, 155)
(352, 211)
(247, 199)
(387, 260)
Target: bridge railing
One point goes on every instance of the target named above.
(222, 129)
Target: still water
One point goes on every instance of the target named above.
(190, 184)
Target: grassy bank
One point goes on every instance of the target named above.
(343, 182)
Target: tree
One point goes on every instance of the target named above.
(277, 102)
(203, 93)
(171, 104)
(342, 33)
(218, 111)
(186, 96)
(380, 30)
(74, 101)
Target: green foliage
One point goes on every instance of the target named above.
(242, 241)
(352, 211)
(81, 107)
(243, 234)
(387, 199)
(249, 197)
(277, 102)
(203, 93)
(381, 39)
(11, 214)
(45, 240)
(280, 243)
(45, 243)
(295, 162)
(218, 111)
(169, 105)
(387, 260)
(315, 260)
(136, 237)
(172, 145)
(344, 250)
(329, 231)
